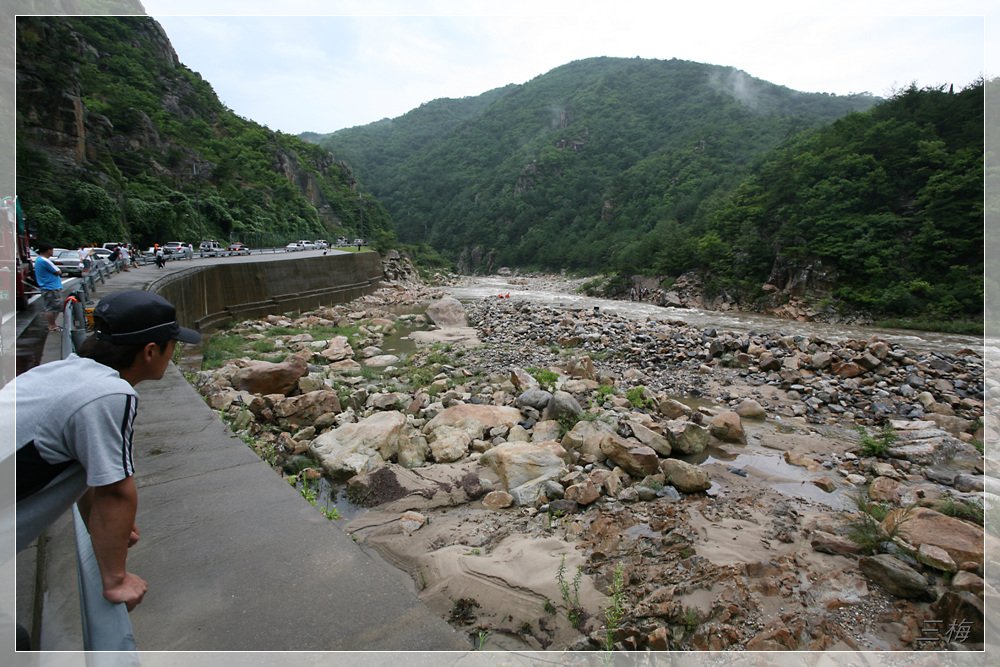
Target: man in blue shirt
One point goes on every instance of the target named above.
(47, 275)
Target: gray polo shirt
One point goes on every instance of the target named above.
(73, 430)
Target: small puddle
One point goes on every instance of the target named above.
(786, 479)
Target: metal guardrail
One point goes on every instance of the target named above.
(106, 626)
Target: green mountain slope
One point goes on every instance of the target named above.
(575, 166)
(882, 210)
(117, 140)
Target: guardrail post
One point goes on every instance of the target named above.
(67, 330)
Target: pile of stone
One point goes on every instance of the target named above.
(862, 381)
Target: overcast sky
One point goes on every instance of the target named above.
(379, 59)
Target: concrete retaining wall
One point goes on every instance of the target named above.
(209, 296)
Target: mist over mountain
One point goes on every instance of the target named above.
(542, 174)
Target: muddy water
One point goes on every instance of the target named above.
(545, 293)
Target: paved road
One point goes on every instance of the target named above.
(235, 558)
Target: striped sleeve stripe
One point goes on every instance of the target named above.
(128, 465)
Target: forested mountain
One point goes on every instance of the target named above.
(572, 168)
(883, 210)
(117, 140)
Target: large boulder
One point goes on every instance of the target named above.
(896, 577)
(337, 349)
(303, 410)
(533, 397)
(637, 460)
(684, 476)
(265, 377)
(650, 438)
(523, 467)
(686, 438)
(447, 312)
(358, 448)
(450, 444)
(562, 405)
(586, 438)
(963, 541)
(726, 426)
(474, 418)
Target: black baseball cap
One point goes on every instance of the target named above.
(137, 317)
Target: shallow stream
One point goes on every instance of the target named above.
(545, 293)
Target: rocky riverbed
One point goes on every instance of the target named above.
(533, 468)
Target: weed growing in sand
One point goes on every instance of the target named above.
(875, 525)
(570, 592)
(549, 608)
(876, 445)
(481, 638)
(615, 612)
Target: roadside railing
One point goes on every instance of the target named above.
(106, 625)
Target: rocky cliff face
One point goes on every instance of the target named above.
(54, 118)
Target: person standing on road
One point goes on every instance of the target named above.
(48, 277)
(86, 253)
(73, 431)
(160, 260)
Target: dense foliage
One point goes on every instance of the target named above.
(575, 166)
(888, 202)
(155, 156)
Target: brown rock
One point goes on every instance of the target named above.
(637, 460)
(936, 557)
(962, 617)
(264, 377)
(685, 477)
(727, 427)
(847, 369)
(962, 541)
(583, 493)
(829, 543)
(658, 639)
(967, 581)
(498, 500)
(885, 489)
(825, 483)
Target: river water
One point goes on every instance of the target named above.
(546, 292)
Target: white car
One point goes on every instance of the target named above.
(306, 244)
(294, 246)
(177, 248)
(321, 244)
(210, 248)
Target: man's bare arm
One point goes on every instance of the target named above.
(109, 513)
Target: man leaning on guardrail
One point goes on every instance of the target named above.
(74, 431)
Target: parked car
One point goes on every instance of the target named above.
(306, 244)
(358, 242)
(110, 245)
(294, 246)
(321, 244)
(69, 262)
(210, 248)
(177, 248)
(238, 249)
(342, 241)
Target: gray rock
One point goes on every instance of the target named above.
(534, 397)
(896, 577)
